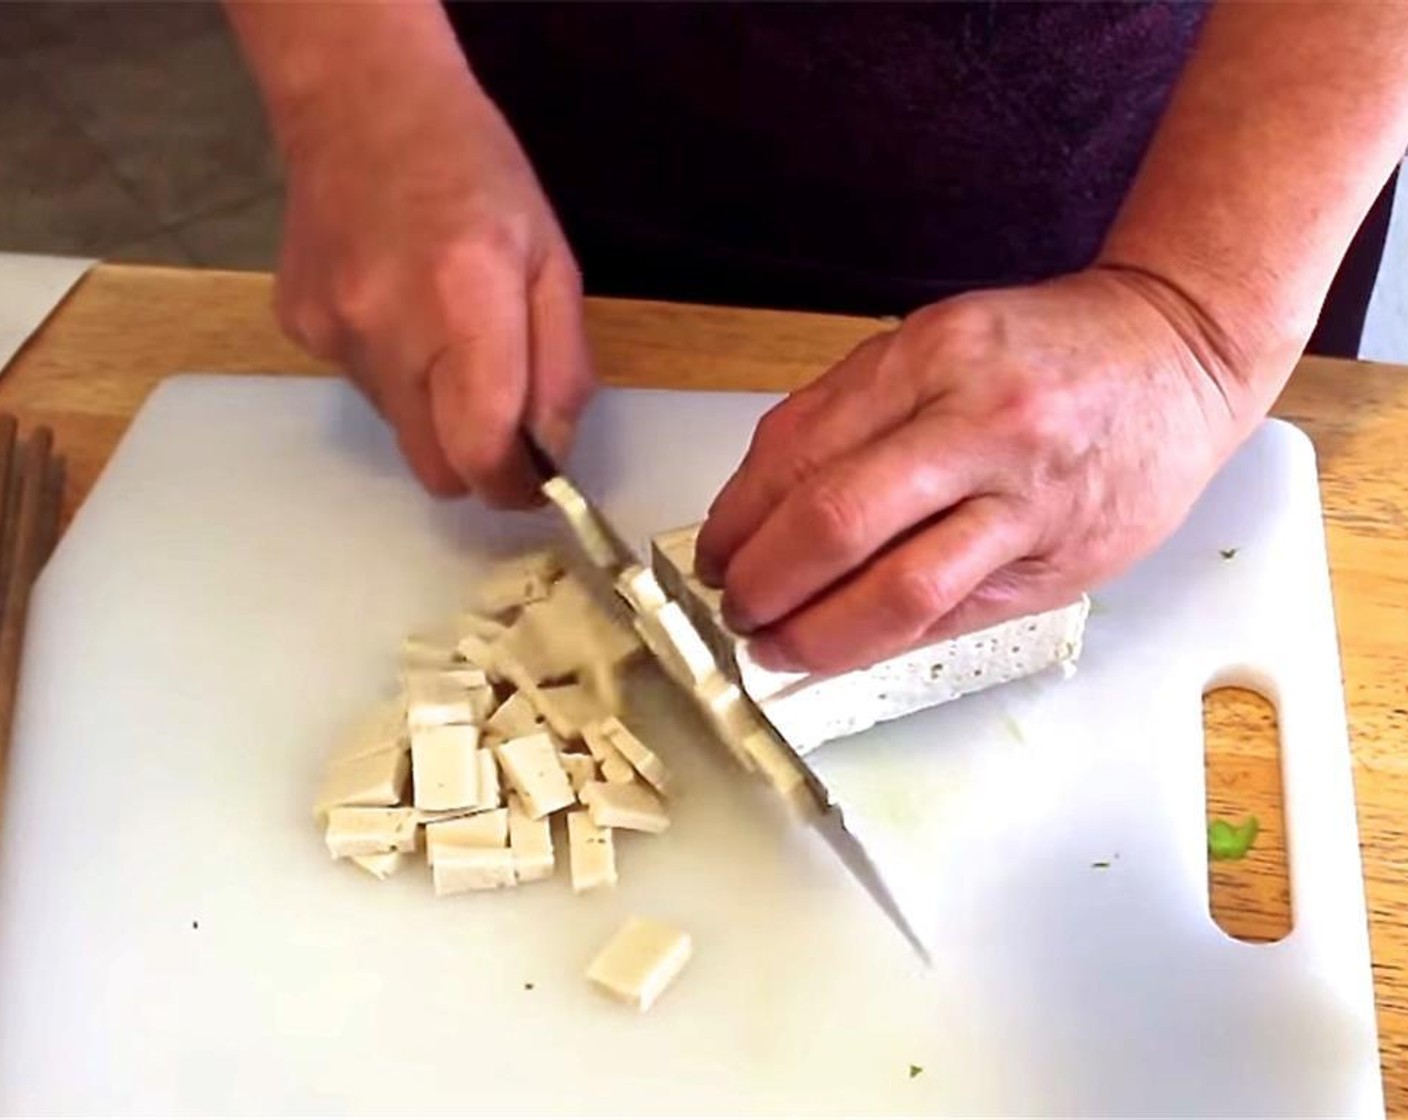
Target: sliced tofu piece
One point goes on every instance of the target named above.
(514, 583)
(376, 779)
(628, 805)
(730, 715)
(473, 869)
(808, 710)
(642, 759)
(672, 637)
(445, 766)
(514, 717)
(491, 794)
(569, 708)
(382, 865)
(585, 527)
(531, 843)
(640, 590)
(382, 728)
(441, 696)
(782, 772)
(481, 830)
(365, 831)
(640, 961)
(532, 769)
(591, 853)
(614, 767)
(581, 769)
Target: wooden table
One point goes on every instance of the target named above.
(124, 329)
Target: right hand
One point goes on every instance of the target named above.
(420, 254)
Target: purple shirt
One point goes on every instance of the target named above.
(855, 157)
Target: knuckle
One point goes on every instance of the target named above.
(835, 519)
(919, 595)
(357, 300)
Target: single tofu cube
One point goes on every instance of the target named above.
(531, 843)
(581, 769)
(729, 713)
(585, 527)
(614, 767)
(365, 831)
(445, 766)
(591, 853)
(491, 796)
(382, 865)
(473, 869)
(383, 728)
(531, 766)
(481, 830)
(515, 717)
(440, 696)
(624, 805)
(642, 759)
(377, 779)
(640, 961)
(570, 707)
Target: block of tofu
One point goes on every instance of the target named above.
(491, 794)
(568, 708)
(440, 696)
(531, 843)
(591, 853)
(514, 717)
(640, 961)
(473, 869)
(514, 583)
(382, 728)
(808, 710)
(532, 769)
(445, 766)
(628, 805)
(382, 865)
(375, 779)
(481, 830)
(614, 734)
(581, 769)
(364, 831)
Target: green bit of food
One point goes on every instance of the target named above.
(1227, 553)
(915, 1071)
(1231, 841)
(1101, 864)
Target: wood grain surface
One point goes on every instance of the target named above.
(124, 329)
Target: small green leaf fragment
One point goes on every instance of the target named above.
(1228, 841)
(915, 1071)
(1227, 553)
(1101, 864)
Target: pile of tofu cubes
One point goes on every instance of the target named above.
(509, 718)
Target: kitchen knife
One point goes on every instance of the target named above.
(608, 552)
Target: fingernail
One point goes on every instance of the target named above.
(770, 655)
(708, 570)
(736, 620)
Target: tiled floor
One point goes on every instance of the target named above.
(129, 130)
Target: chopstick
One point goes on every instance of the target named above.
(31, 499)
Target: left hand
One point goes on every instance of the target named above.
(996, 455)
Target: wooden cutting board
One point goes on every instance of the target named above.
(173, 938)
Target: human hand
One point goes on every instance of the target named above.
(996, 455)
(420, 254)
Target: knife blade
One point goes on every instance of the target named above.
(608, 551)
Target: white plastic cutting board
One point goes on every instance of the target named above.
(173, 937)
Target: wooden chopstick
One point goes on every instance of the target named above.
(31, 498)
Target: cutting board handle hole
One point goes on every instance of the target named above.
(1249, 898)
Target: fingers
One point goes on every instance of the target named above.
(899, 598)
(409, 415)
(836, 414)
(478, 389)
(562, 380)
(847, 512)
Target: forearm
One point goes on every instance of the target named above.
(1282, 130)
(312, 60)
